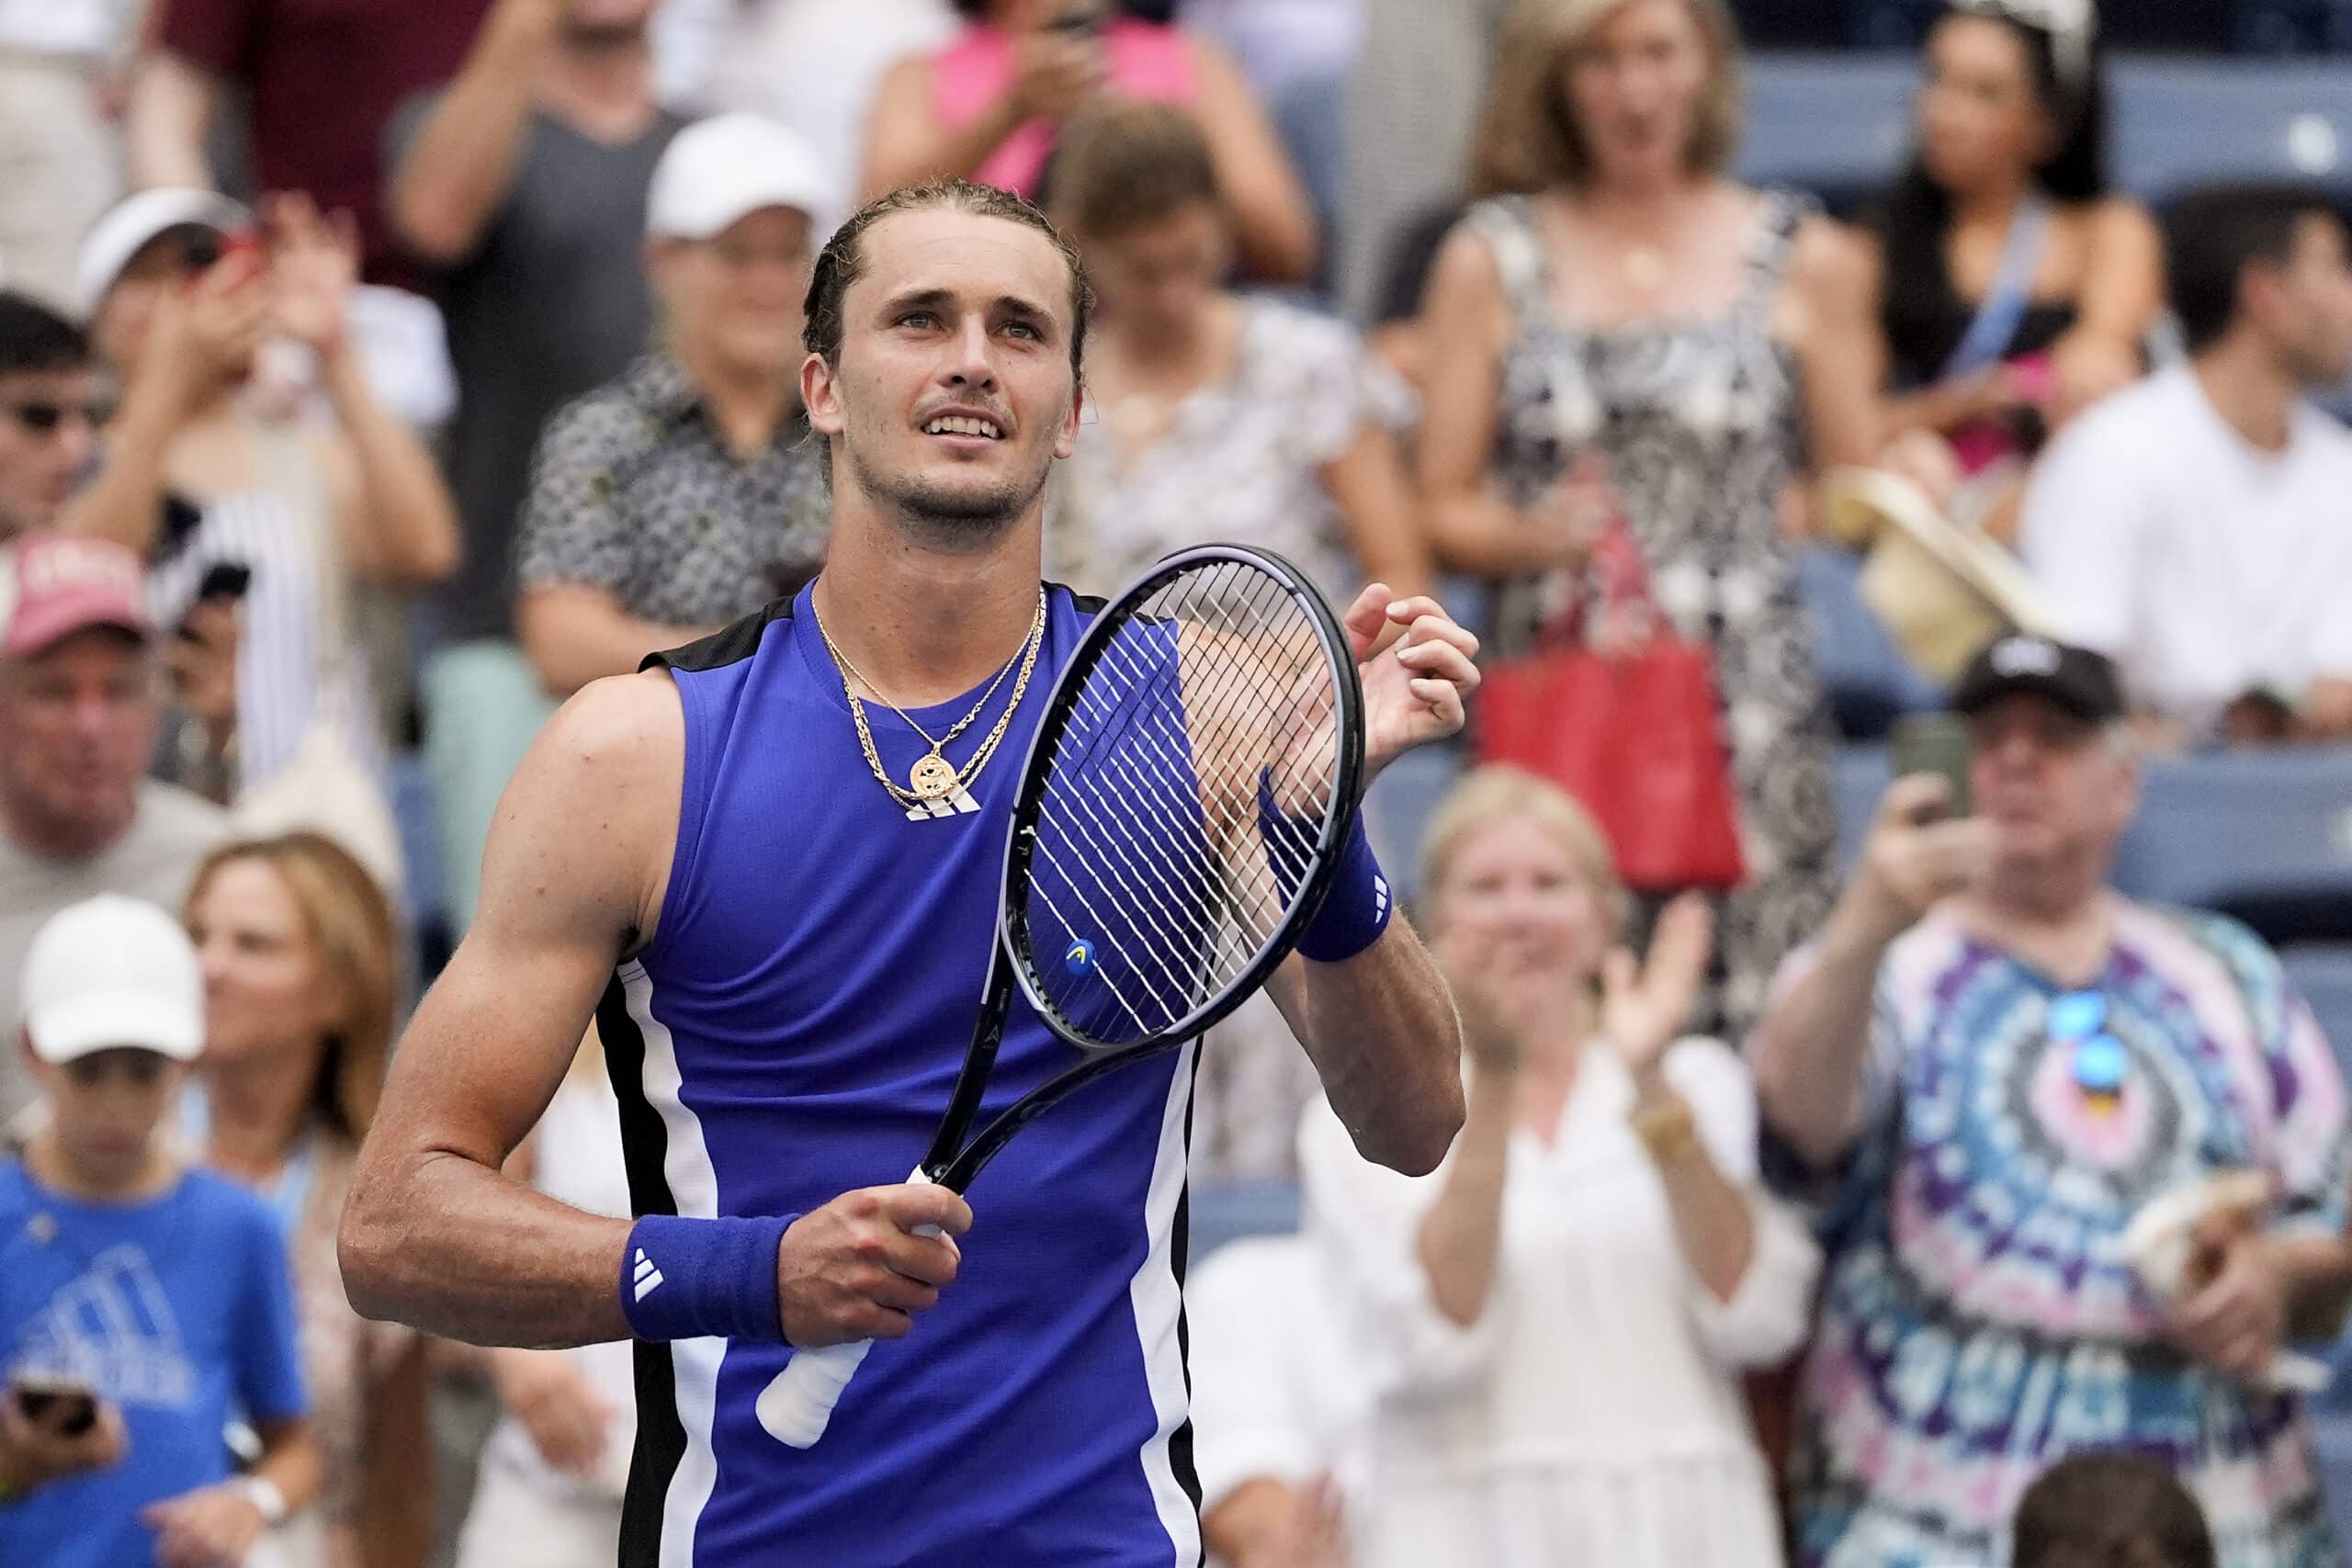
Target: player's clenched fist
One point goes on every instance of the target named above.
(860, 1266)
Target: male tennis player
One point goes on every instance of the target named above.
(801, 906)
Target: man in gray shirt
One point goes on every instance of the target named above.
(523, 185)
(79, 698)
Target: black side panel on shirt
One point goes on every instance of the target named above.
(731, 644)
(660, 1436)
(1179, 1441)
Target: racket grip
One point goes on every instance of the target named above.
(798, 1402)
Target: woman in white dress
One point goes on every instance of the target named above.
(1552, 1324)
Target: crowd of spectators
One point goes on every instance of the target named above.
(374, 377)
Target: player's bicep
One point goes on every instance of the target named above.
(572, 879)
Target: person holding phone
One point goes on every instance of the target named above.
(140, 1302)
(990, 106)
(193, 301)
(1983, 1067)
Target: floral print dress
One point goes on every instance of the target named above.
(1699, 425)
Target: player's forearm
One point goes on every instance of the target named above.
(1382, 1030)
(456, 1249)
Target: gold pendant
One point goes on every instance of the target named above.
(934, 777)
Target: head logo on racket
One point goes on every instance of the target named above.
(1080, 956)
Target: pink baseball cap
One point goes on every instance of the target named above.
(52, 585)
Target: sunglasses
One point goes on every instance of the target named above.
(2078, 1022)
(43, 418)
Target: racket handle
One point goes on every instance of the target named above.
(798, 1402)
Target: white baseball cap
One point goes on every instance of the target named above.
(719, 170)
(135, 223)
(112, 972)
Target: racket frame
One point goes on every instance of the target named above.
(1012, 961)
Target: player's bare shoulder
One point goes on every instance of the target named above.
(590, 821)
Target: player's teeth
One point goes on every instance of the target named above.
(961, 426)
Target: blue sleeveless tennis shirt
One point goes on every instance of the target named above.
(793, 1033)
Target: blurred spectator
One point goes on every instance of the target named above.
(297, 948)
(2017, 288)
(154, 1293)
(687, 493)
(2110, 1510)
(990, 107)
(1552, 1323)
(1629, 334)
(199, 475)
(1412, 117)
(2193, 527)
(78, 699)
(1273, 1406)
(553, 1474)
(320, 88)
(319, 84)
(1219, 416)
(60, 155)
(523, 186)
(814, 66)
(1986, 1066)
(50, 413)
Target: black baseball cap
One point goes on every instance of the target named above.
(2083, 683)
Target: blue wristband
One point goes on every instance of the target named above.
(1355, 911)
(685, 1278)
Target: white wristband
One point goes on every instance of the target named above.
(267, 1499)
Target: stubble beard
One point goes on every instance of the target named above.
(944, 517)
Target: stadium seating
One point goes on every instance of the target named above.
(1224, 1213)
(1838, 124)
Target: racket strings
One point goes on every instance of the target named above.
(1216, 798)
(1201, 757)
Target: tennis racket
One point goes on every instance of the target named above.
(1177, 824)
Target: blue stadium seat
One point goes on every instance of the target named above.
(2266, 836)
(1832, 124)
(2324, 974)
(2184, 123)
(1228, 1213)
(411, 800)
(1858, 776)
(1868, 680)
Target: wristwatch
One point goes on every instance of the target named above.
(267, 1499)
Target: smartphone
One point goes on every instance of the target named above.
(1933, 743)
(66, 1407)
(207, 248)
(225, 579)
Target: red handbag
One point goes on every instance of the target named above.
(1636, 735)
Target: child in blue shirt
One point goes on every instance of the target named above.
(140, 1300)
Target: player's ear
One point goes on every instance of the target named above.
(1066, 438)
(820, 394)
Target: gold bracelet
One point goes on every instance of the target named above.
(1667, 1128)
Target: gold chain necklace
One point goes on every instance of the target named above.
(933, 777)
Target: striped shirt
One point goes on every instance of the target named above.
(296, 658)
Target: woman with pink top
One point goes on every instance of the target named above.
(990, 105)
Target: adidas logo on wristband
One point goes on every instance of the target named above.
(647, 1276)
